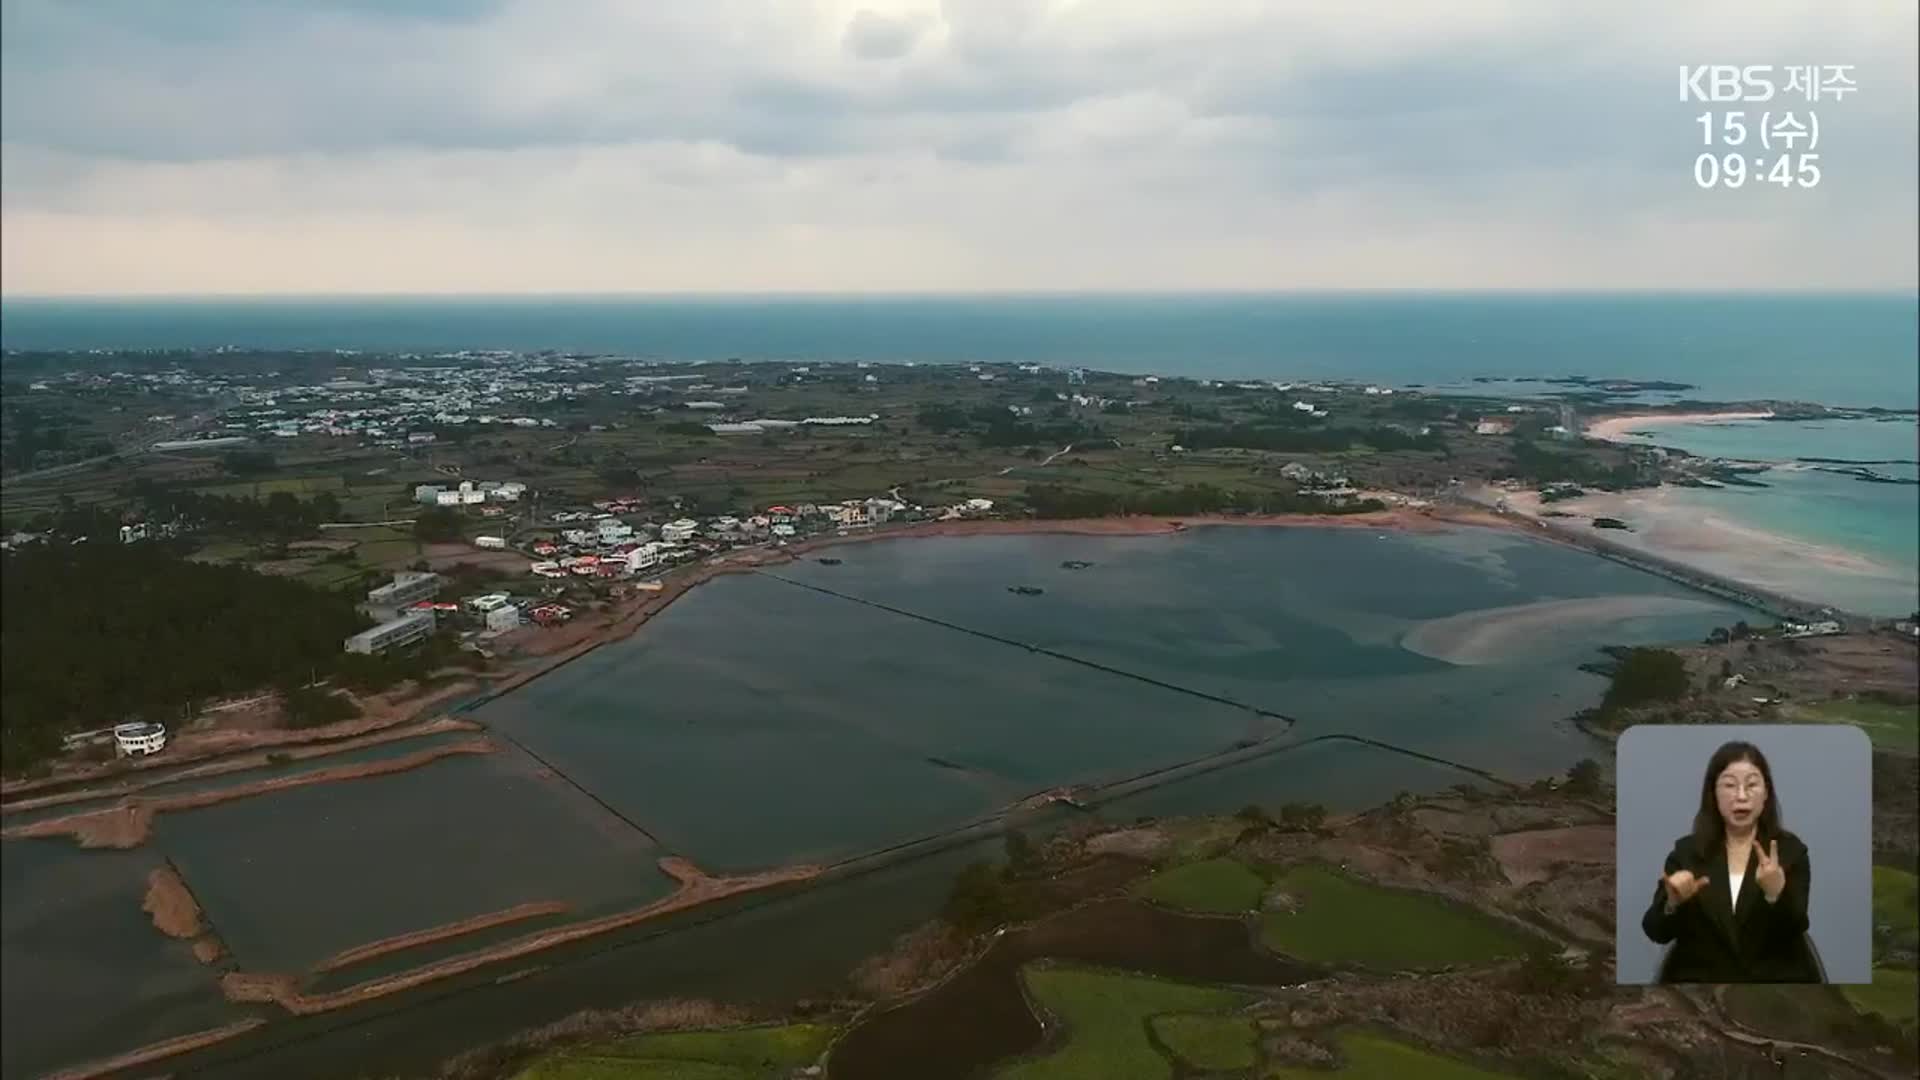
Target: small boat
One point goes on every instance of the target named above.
(1075, 564)
(829, 562)
(1025, 590)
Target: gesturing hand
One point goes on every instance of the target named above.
(1771, 876)
(1681, 887)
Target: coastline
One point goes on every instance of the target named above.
(1666, 526)
(1616, 428)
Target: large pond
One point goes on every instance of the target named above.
(816, 712)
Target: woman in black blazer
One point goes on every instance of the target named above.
(1733, 899)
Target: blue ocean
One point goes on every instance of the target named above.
(1835, 349)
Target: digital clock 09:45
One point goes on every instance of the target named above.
(1736, 170)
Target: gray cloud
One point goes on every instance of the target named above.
(872, 36)
(856, 143)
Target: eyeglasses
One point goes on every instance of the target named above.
(1755, 786)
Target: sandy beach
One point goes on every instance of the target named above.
(1669, 524)
(1615, 428)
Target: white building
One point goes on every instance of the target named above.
(404, 630)
(139, 739)
(427, 493)
(613, 532)
(495, 542)
(504, 617)
(406, 587)
(488, 602)
(679, 531)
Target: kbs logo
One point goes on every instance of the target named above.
(1726, 82)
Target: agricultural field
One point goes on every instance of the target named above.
(1891, 727)
(1218, 886)
(1104, 1016)
(1208, 1042)
(745, 1053)
(1367, 1056)
(1893, 994)
(1340, 920)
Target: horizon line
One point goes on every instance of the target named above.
(982, 294)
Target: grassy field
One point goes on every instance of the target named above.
(1892, 995)
(1891, 727)
(1896, 904)
(746, 1053)
(1225, 886)
(1105, 1016)
(1340, 920)
(1208, 1042)
(1374, 1057)
(1800, 1013)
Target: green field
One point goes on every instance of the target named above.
(1374, 1057)
(1896, 904)
(745, 1053)
(1891, 995)
(1801, 1013)
(1340, 920)
(1105, 1016)
(1223, 886)
(1208, 1042)
(1891, 727)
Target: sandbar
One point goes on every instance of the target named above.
(1494, 634)
(129, 823)
(696, 887)
(153, 1052)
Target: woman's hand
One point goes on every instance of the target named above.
(1682, 886)
(1771, 876)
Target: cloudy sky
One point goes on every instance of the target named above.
(439, 146)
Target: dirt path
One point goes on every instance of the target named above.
(153, 1052)
(435, 726)
(477, 923)
(128, 824)
(696, 888)
(378, 712)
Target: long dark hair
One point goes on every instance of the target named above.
(1709, 831)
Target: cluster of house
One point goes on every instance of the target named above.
(1314, 482)
(603, 546)
(1817, 628)
(408, 612)
(469, 493)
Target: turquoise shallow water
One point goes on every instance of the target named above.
(1806, 501)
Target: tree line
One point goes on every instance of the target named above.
(1324, 440)
(95, 634)
(1053, 501)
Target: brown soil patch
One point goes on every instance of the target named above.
(127, 825)
(919, 958)
(697, 888)
(473, 925)
(153, 1052)
(175, 912)
(1144, 843)
(1532, 856)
